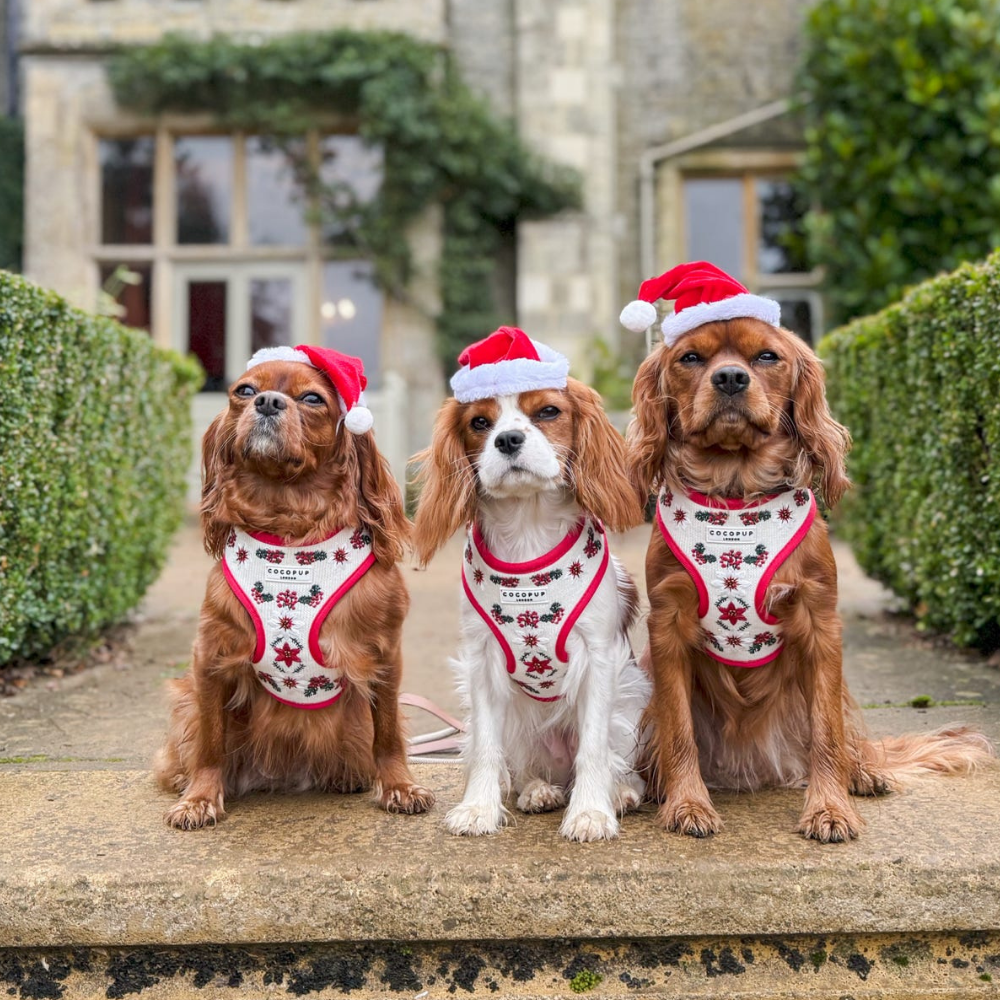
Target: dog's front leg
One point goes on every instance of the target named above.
(486, 777)
(395, 790)
(674, 631)
(202, 801)
(590, 814)
(813, 639)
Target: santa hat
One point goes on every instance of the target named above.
(702, 293)
(346, 373)
(507, 362)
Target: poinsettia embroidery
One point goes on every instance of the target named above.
(360, 539)
(527, 619)
(701, 555)
(308, 558)
(593, 545)
(710, 516)
(749, 517)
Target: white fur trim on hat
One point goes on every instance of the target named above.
(638, 316)
(735, 307)
(277, 354)
(507, 378)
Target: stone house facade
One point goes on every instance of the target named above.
(674, 113)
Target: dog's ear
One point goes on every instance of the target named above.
(648, 434)
(599, 474)
(448, 485)
(380, 502)
(824, 440)
(216, 458)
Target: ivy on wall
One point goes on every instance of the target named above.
(440, 142)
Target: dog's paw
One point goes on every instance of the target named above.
(695, 819)
(589, 824)
(871, 781)
(628, 794)
(830, 824)
(408, 799)
(193, 814)
(472, 820)
(539, 796)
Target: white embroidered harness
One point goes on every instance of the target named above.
(289, 590)
(731, 550)
(531, 607)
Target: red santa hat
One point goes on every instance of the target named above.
(346, 373)
(702, 293)
(507, 362)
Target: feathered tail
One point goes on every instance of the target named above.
(946, 751)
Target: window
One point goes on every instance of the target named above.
(750, 225)
(249, 255)
(127, 190)
(203, 168)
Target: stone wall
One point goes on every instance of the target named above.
(689, 64)
(98, 23)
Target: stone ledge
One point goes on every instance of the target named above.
(85, 860)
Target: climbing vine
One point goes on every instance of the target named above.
(440, 142)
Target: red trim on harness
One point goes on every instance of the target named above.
(779, 559)
(581, 605)
(327, 607)
(263, 536)
(244, 599)
(692, 571)
(310, 707)
(526, 567)
(746, 666)
(504, 645)
(728, 503)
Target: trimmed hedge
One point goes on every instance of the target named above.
(917, 384)
(95, 435)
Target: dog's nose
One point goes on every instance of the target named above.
(731, 379)
(270, 403)
(509, 442)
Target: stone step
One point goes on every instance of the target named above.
(902, 966)
(327, 895)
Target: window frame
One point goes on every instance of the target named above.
(165, 255)
(747, 165)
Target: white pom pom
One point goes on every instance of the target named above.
(359, 419)
(638, 316)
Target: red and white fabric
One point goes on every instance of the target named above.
(701, 293)
(731, 551)
(346, 374)
(289, 591)
(531, 607)
(507, 362)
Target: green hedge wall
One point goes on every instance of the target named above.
(918, 384)
(94, 442)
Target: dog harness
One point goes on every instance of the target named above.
(731, 551)
(531, 607)
(289, 590)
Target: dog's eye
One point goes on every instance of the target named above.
(313, 398)
(480, 424)
(691, 358)
(245, 390)
(768, 357)
(548, 413)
